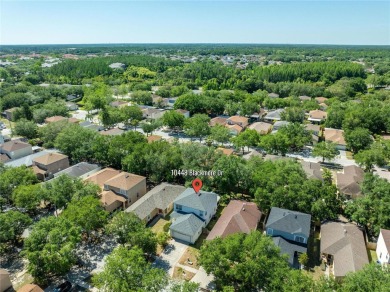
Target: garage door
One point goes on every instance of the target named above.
(181, 236)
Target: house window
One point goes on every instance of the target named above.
(270, 231)
(106, 187)
(300, 239)
(201, 213)
(137, 195)
(178, 207)
(123, 192)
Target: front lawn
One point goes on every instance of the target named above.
(190, 258)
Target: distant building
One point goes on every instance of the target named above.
(9, 113)
(117, 66)
(218, 121)
(47, 165)
(317, 116)
(15, 149)
(261, 127)
(225, 151)
(312, 170)
(82, 169)
(153, 138)
(238, 120)
(304, 98)
(349, 181)
(335, 136)
(274, 115)
(112, 132)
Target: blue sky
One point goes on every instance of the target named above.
(281, 22)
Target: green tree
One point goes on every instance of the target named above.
(129, 229)
(326, 150)
(220, 134)
(184, 287)
(49, 133)
(372, 277)
(131, 115)
(27, 197)
(275, 143)
(127, 270)
(248, 138)
(173, 120)
(76, 142)
(197, 126)
(162, 239)
(97, 96)
(297, 135)
(26, 128)
(50, 248)
(148, 128)
(358, 139)
(86, 213)
(293, 115)
(244, 261)
(11, 178)
(303, 259)
(12, 225)
(376, 155)
(142, 97)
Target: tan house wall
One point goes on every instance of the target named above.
(115, 205)
(54, 167)
(139, 189)
(5, 282)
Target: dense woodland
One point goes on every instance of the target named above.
(352, 78)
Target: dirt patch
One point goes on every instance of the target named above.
(190, 258)
(181, 274)
(159, 226)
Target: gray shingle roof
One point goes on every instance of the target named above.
(289, 221)
(78, 169)
(289, 248)
(159, 197)
(187, 224)
(203, 201)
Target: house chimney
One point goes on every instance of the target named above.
(243, 206)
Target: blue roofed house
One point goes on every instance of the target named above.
(192, 212)
(290, 231)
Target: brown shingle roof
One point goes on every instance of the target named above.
(318, 115)
(112, 132)
(125, 180)
(386, 237)
(4, 158)
(349, 181)
(335, 136)
(102, 176)
(238, 119)
(14, 145)
(226, 151)
(109, 197)
(321, 99)
(235, 127)
(261, 127)
(54, 119)
(49, 158)
(237, 217)
(218, 121)
(345, 242)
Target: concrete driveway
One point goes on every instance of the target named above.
(170, 256)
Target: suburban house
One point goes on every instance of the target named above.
(343, 248)
(112, 132)
(5, 282)
(290, 230)
(192, 212)
(383, 246)
(119, 189)
(274, 115)
(27, 160)
(15, 149)
(234, 129)
(348, 182)
(253, 153)
(317, 116)
(185, 113)
(152, 113)
(30, 288)
(312, 169)
(238, 120)
(323, 106)
(321, 99)
(258, 115)
(237, 217)
(47, 165)
(218, 121)
(273, 95)
(82, 169)
(4, 158)
(335, 136)
(261, 127)
(158, 201)
(70, 97)
(91, 126)
(314, 129)
(119, 103)
(279, 124)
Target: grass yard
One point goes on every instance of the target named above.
(349, 154)
(181, 274)
(190, 254)
(159, 225)
(372, 257)
(313, 251)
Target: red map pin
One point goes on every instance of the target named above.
(197, 185)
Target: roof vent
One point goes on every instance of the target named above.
(296, 216)
(127, 176)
